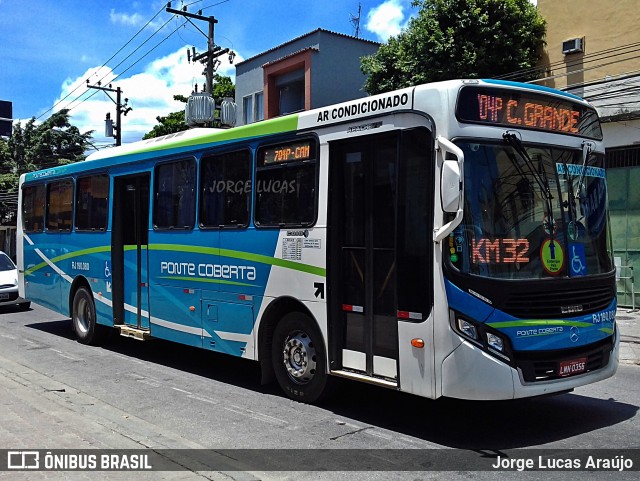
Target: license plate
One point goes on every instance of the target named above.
(4, 296)
(572, 367)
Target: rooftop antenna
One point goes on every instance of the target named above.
(355, 20)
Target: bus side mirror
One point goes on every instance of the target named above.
(450, 186)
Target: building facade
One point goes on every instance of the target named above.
(593, 50)
(314, 70)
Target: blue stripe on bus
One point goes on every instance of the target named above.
(535, 334)
(539, 88)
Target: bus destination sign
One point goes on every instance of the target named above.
(518, 109)
(287, 152)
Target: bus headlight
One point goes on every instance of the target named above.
(495, 342)
(467, 328)
(488, 339)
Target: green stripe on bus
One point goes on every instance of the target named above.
(539, 322)
(246, 256)
(258, 129)
(211, 281)
(70, 255)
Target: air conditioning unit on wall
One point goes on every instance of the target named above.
(573, 45)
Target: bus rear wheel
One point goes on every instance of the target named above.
(299, 358)
(85, 325)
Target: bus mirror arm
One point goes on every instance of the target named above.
(451, 186)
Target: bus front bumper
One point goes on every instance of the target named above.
(470, 373)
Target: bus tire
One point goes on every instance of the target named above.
(85, 325)
(299, 359)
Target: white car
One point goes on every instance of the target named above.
(9, 284)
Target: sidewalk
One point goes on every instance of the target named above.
(629, 324)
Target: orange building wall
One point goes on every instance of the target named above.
(605, 24)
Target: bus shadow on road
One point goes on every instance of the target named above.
(478, 425)
(60, 328)
(216, 366)
(481, 424)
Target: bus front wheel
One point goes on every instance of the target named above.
(87, 330)
(298, 358)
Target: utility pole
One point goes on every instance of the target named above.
(121, 109)
(213, 51)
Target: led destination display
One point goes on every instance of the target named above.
(518, 109)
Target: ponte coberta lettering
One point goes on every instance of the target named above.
(364, 107)
(216, 271)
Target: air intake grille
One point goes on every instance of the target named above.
(544, 365)
(564, 302)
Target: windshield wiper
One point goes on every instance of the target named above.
(587, 147)
(514, 142)
(571, 201)
(543, 182)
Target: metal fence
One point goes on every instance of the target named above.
(625, 283)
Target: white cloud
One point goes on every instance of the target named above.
(150, 93)
(133, 20)
(387, 19)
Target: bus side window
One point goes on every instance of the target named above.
(59, 214)
(92, 202)
(33, 199)
(286, 179)
(175, 184)
(225, 190)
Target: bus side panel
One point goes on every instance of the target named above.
(227, 322)
(176, 314)
(41, 280)
(91, 260)
(65, 249)
(174, 284)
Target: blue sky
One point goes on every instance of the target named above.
(49, 49)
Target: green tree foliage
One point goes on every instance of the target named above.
(37, 146)
(174, 122)
(223, 87)
(458, 39)
(169, 124)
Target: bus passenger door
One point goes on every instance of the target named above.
(129, 244)
(362, 265)
(380, 254)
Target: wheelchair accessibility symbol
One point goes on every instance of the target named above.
(578, 263)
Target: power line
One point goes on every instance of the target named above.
(595, 56)
(68, 106)
(129, 67)
(104, 64)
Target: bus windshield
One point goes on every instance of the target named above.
(532, 212)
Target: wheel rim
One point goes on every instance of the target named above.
(83, 316)
(299, 357)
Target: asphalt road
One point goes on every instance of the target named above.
(56, 394)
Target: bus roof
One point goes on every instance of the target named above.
(194, 139)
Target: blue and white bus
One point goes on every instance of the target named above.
(449, 239)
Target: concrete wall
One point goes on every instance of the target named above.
(335, 68)
(335, 73)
